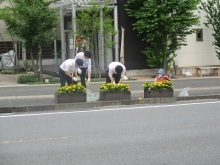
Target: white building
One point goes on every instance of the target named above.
(200, 50)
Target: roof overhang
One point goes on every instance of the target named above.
(63, 3)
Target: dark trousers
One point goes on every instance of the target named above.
(117, 77)
(64, 78)
(83, 76)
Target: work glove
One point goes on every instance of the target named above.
(79, 71)
(75, 79)
(125, 78)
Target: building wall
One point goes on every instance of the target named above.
(198, 53)
(4, 37)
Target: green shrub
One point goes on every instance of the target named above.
(8, 71)
(27, 78)
(27, 65)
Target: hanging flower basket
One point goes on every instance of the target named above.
(114, 92)
(158, 89)
(70, 94)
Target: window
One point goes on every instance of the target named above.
(199, 34)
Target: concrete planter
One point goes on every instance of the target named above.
(106, 96)
(74, 98)
(158, 93)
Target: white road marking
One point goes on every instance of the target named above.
(107, 109)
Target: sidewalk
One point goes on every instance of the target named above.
(7, 80)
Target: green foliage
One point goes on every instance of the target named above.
(88, 23)
(27, 65)
(163, 26)
(27, 78)
(33, 22)
(157, 85)
(212, 9)
(8, 71)
(71, 89)
(110, 87)
(88, 27)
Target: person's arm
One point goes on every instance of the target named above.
(110, 73)
(68, 74)
(89, 69)
(120, 81)
(112, 80)
(122, 75)
(89, 75)
(76, 75)
(167, 78)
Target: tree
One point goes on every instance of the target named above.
(33, 22)
(89, 26)
(212, 9)
(163, 25)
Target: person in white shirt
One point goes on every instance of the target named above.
(86, 57)
(68, 71)
(115, 73)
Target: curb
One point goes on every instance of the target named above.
(90, 105)
(203, 97)
(86, 105)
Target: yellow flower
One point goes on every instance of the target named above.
(114, 87)
(78, 88)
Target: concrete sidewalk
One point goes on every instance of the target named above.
(46, 102)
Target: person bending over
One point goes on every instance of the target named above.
(86, 57)
(68, 71)
(115, 73)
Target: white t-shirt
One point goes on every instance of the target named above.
(86, 62)
(112, 67)
(69, 65)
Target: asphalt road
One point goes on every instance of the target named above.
(212, 84)
(177, 134)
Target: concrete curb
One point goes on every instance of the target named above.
(86, 105)
(188, 98)
(90, 105)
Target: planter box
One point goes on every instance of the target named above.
(78, 97)
(158, 93)
(106, 96)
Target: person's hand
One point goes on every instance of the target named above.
(75, 79)
(79, 71)
(125, 78)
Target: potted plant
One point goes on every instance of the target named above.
(158, 89)
(112, 91)
(70, 94)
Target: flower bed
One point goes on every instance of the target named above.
(70, 94)
(158, 89)
(114, 92)
(114, 87)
